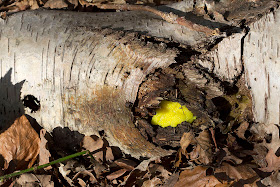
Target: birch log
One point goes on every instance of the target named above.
(84, 76)
(81, 76)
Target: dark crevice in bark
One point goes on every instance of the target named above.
(246, 29)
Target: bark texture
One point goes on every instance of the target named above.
(82, 77)
(262, 67)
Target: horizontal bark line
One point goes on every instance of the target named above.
(138, 21)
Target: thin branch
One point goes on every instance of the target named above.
(2, 178)
(213, 138)
(169, 17)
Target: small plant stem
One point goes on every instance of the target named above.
(2, 178)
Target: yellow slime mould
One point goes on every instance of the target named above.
(171, 114)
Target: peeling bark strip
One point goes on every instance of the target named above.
(224, 60)
(169, 17)
(139, 21)
(82, 77)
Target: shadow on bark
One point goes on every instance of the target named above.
(11, 105)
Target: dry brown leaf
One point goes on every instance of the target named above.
(196, 178)
(99, 169)
(125, 163)
(230, 157)
(240, 131)
(56, 4)
(95, 2)
(26, 4)
(116, 174)
(98, 156)
(152, 182)
(84, 3)
(264, 130)
(260, 154)
(203, 150)
(32, 180)
(185, 141)
(81, 182)
(33, 4)
(64, 172)
(272, 180)
(74, 2)
(92, 143)
(159, 171)
(109, 154)
(172, 180)
(238, 172)
(22, 5)
(273, 162)
(84, 173)
(44, 153)
(20, 144)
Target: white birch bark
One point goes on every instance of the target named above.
(262, 67)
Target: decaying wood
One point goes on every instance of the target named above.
(84, 77)
(225, 59)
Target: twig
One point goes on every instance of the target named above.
(213, 137)
(2, 178)
(169, 17)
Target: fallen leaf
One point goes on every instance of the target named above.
(27, 179)
(203, 150)
(230, 157)
(262, 131)
(272, 180)
(116, 174)
(74, 2)
(185, 141)
(126, 164)
(236, 173)
(159, 171)
(56, 4)
(240, 131)
(92, 143)
(3, 15)
(98, 156)
(33, 4)
(109, 154)
(85, 173)
(99, 169)
(152, 182)
(196, 178)
(172, 180)
(232, 142)
(19, 144)
(81, 182)
(22, 5)
(44, 153)
(273, 162)
(260, 154)
(84, 3)
(64, 172)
